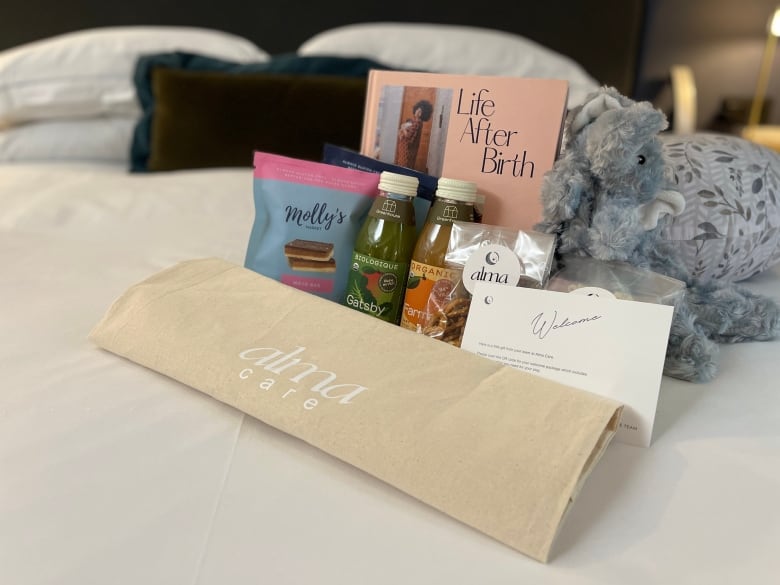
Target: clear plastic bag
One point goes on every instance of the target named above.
(480, 252)
(620, 280)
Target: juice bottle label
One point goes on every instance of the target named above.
(376, 286)
(397, 210)
(424, 282)
(445, 212)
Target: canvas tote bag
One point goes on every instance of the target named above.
(499, 449)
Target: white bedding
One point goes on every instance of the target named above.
(111, 473)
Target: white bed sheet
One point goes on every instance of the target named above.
(111, 473)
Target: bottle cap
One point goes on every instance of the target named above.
(456, 189)
(400, 184)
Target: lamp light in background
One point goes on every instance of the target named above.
(766, 68)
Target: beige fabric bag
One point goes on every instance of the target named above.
(499, 449)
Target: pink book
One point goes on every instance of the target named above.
(503, 133)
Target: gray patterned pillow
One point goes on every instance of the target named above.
(729, 229)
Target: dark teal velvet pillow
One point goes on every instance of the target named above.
(208, 120)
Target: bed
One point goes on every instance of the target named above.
(112, 473)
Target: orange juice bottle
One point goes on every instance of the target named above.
(428, 274)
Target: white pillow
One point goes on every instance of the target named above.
(89, 72)
(88, 139)
(459, 49)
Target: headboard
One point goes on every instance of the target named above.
(604, 36)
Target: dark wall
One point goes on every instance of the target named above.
(602, 35)
(721, 40)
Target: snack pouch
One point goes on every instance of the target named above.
(307, 215)
(480, 252)
(426, 186)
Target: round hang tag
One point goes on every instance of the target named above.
(593, 291)
(492, 263)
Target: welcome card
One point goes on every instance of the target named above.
(610, 347)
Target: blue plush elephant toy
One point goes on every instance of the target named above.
(608, 196)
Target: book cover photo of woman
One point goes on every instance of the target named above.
(410, 132)
(412, 128)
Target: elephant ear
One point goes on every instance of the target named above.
(602, 100)
(592, 109)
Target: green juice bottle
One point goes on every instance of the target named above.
(383, 250)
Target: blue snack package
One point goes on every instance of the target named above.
(307, 216)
